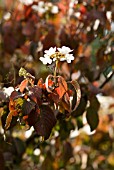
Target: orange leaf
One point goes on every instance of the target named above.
(23, 85)
(8, 120)
(25, 117)
(41, 84)
(62, 87)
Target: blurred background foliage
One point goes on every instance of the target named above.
(27, 28)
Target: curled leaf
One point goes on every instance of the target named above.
(76, 86)
(49, 84)
(56, 84)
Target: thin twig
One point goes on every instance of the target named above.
(106, 81)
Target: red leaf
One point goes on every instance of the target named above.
(33, 117)
(28, 106)
(36, 94)
(46, 122)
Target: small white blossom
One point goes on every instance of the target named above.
(40, 7)
(27, 2)
(54, 9)
(50, 52)
(46, 59)
(63, 54)
(69, 58)
(41, 3)
(64, 50)
(43, 7)
(8, 90)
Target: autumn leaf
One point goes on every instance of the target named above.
(9, 119)
(41, 84)
(27, 107)
(46, 121)
(51, 83)
(35, 94)
(77, 90)
(23, 85)
(33, 116)
(62, 87)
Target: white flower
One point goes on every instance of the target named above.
(46, 59)
(27, 2)
(63, 54)
(41, 4)
(68, 57)
(64, 50)
(54, 9)
(40, 7)
(8, 90)
(50, 52)
(43, 7)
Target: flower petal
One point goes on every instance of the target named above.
(64, 50)
(50, 51)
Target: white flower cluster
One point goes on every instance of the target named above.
(62, 54)
(27, 2)
(44, 7)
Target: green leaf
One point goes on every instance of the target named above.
(92, 118)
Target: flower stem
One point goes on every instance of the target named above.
(55, 71)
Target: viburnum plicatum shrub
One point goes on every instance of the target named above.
(40, 105)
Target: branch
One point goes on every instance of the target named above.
(106, 81)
